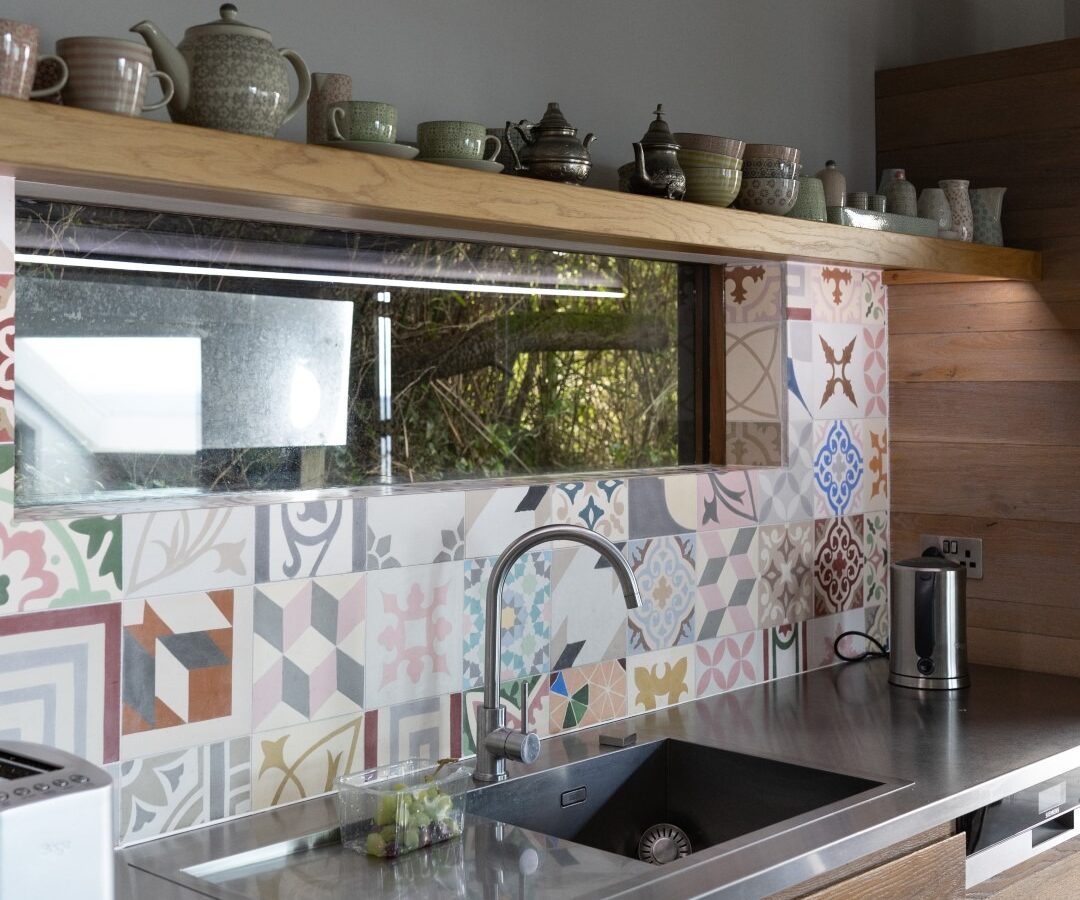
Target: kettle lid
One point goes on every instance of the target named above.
(659, 134)
(930, 564)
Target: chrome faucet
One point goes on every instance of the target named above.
(495, 743)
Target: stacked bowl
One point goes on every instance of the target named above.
(712, 165)
(770, 181)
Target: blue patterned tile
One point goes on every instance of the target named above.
(838, 468)
(665, 572)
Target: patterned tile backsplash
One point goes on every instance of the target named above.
(234, 658)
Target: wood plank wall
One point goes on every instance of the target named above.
(985, 378)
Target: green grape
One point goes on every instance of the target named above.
(376, 846)
(386, 811)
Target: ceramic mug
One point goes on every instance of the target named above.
(110, 75)
(326, 88)
(19, 61)
(453, 139)
(362, 120)
(876, 202)
(858, 200)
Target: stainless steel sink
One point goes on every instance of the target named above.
(713, 796)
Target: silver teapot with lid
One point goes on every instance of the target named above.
(657, 171)
(552, 149)
(228, 75)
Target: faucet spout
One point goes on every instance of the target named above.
(494, 741)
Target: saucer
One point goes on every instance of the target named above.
(481, 165)
(379, 148)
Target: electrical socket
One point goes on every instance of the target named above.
(966, 551)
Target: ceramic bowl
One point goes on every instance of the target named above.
(769, 195)
(626, 172)
(772, 151)
(714, 186)
(703, 158)
(710, 143)
(768, 167)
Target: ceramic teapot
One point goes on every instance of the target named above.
(228, 75)
(551, 148)
(657, 170)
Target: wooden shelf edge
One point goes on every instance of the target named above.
(81, 149)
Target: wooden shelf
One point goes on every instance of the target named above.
(77, 148)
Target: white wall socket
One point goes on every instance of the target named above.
(966, 551)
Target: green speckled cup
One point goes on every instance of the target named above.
(362, 120)
(453, 139)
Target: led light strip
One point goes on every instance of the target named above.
(168, 269)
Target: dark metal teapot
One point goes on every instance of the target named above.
(552, 149)
(658, 172)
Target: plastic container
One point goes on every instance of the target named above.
(395, 809)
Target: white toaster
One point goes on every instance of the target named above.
(56, 825)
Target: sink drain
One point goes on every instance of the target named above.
(663, 843)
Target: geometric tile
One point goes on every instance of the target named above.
(186, 670)
(752, 444)
(309, 650)
(786, 582)
(786, 650)
(301, 540)
(662, 505)
(876, 548)
(7, 357)
(838, 467)
(429, 728)
(183, 788)
(822, 632)
(7, 226)
(787, 494)
(754, 361)
(798, 304)
(188, 550)
(494, 517)
(413, 633)
(302, 761)
(839, 390)
(727, 567)
(665, 573)
(727, 663)
(876, 454)
(877, 623)
(524, 617)
(726, 499)
(875, 375)
(838, 564)
(800, 370)
(659, 679)
(587, 695)
(753, 293)
(597, 505)
(415, 529)
(510, 698)
(60, 678)
(588, 612)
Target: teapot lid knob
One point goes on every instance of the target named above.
(229, 12)
(659, 111)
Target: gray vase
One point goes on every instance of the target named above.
(933, 205)
(986, 215)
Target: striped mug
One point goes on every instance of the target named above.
(110, 75)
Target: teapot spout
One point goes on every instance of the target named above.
(170, 61)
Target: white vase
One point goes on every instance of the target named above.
(986, 215)
(956, 192)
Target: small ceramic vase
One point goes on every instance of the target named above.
(986, 215)
(933, 205)
(835, 184)
(327, 88)
(900, 195)
(956, 192)
(886, 179)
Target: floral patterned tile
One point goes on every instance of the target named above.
(495, 517)
(662, 505)
(874, 297)
(727, 570)
(7, 357)
(836, 293)
(600, 506)
(876, 454)
(536, 708)
(875, 371)
(754, 444)
(665, 571)
(727, 499)
(839, 467)
(755, 367)
(588, 612)
(659, 679)
(186, 670)
(876, 548)
(525, 620)
(786, 650)
(838, 564)
(188, 550)
(753, 293)
(415, 529)
(302, 540)
(183, 788)
(787, 494)
(414, 646)
(429, 728)
(839, 366)
(302, 761)
(7, 226)
(821, 635)
(727, 663)
(877, 623)
(587, 695)
(309, 650)
(786, 582)
(800, 370)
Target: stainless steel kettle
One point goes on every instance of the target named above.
(928, 637)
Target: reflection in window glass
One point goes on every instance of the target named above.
(183, 354)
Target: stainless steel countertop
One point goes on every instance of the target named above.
(961, 750)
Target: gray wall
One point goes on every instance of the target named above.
(772, 71)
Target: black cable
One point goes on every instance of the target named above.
(869, 654)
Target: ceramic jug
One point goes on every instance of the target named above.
(986, 215)
(900, 195)
(228, 75)
(835, 184)
(956, 192)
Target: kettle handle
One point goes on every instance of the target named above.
(925, 583)
(303, 78)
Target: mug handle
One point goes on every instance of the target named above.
(332, 126)
(167, 88)
(498, 146)
(44, 92)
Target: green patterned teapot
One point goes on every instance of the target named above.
(228, 75)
